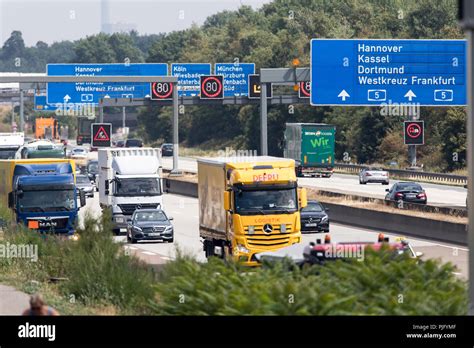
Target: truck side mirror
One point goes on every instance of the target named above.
(10, 200)
(303, 197)
(226, 200)
(82, 198)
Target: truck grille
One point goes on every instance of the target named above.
(128, 209)
(275, 238)
(53, 224)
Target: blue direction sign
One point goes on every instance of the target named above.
(236, 77)
(41, 104)
(189, 77)
(86, 92)
(372, 72)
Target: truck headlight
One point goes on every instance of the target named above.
(283, 228)
(242, 249)
(251, 229)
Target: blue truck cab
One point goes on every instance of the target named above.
(44, 197)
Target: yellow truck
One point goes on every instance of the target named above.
(248, 205)
(41, 193)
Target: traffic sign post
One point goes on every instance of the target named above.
(101, 134)
(372, 72)
(304, 89)
(255, 89)
(188, 75)
(212, 87)
(92, 92)
(236, 77)
(414, 133)
(161, 91)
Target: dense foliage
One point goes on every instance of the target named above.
(271, 37)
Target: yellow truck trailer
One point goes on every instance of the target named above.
(248, 205)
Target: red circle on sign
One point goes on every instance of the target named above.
(156, 94)
(303, 89)
(413, 130)
(219, 84)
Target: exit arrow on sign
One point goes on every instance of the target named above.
(410, 95)
(343, 95)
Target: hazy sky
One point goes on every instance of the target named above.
(56, 20)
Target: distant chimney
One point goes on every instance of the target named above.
(105, 16)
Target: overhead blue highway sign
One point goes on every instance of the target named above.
(87, 92)
(189, 75)
(373, 72)
(236, 77)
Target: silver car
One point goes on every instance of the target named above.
(371, 174)
(85, 184)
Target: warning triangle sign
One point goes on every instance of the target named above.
(101, 135)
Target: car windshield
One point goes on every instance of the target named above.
(150, 216)
(79, 151)
(138, 187)
(376, 169)
(48, 200)
(266, 201)
(313, 207)
(131, 143)
(81, 179)
(93, 168)
(409, 187)
(7, 154)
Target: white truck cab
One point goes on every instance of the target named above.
(129, 179)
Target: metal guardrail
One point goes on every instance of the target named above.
(407, 174)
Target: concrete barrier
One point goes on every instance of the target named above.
(404, 225)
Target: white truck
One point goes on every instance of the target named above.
(129, 179)
(10, 144)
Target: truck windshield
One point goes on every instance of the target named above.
(48, 200)
(265, 201)
(138, 187)
(7, 154)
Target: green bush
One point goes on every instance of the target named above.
(95, 269)
(381, 285)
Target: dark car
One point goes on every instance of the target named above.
(167, 150)
(93, 170)
(314, 218)
(120, 143)
(84, 183)
(133, 143)
(150, 224)
(407, 191)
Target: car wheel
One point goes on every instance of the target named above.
(171, 240)
(385, 183)
(116, 231)
(128, 238)
(133, 240)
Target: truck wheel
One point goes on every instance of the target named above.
(299, 174)
(116, 231)
(208, 248)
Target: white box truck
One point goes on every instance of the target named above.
(10, 144)
(129, 179)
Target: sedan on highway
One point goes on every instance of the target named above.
(371, 174)
(150, 224)
(83, 183)
(314, 218)
(78, 153)
(167, 150)
(411, 192)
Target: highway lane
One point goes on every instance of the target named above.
(439, 195)
(186, 222)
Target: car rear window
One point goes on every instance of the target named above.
(413, 187)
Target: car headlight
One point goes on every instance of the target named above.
(169, 229)
(136, 228)
(325, 218)
(242, 249)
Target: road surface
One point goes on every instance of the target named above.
(184, 210)
(439, 195)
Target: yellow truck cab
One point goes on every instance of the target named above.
(248, 205)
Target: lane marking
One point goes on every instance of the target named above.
(148, 253)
